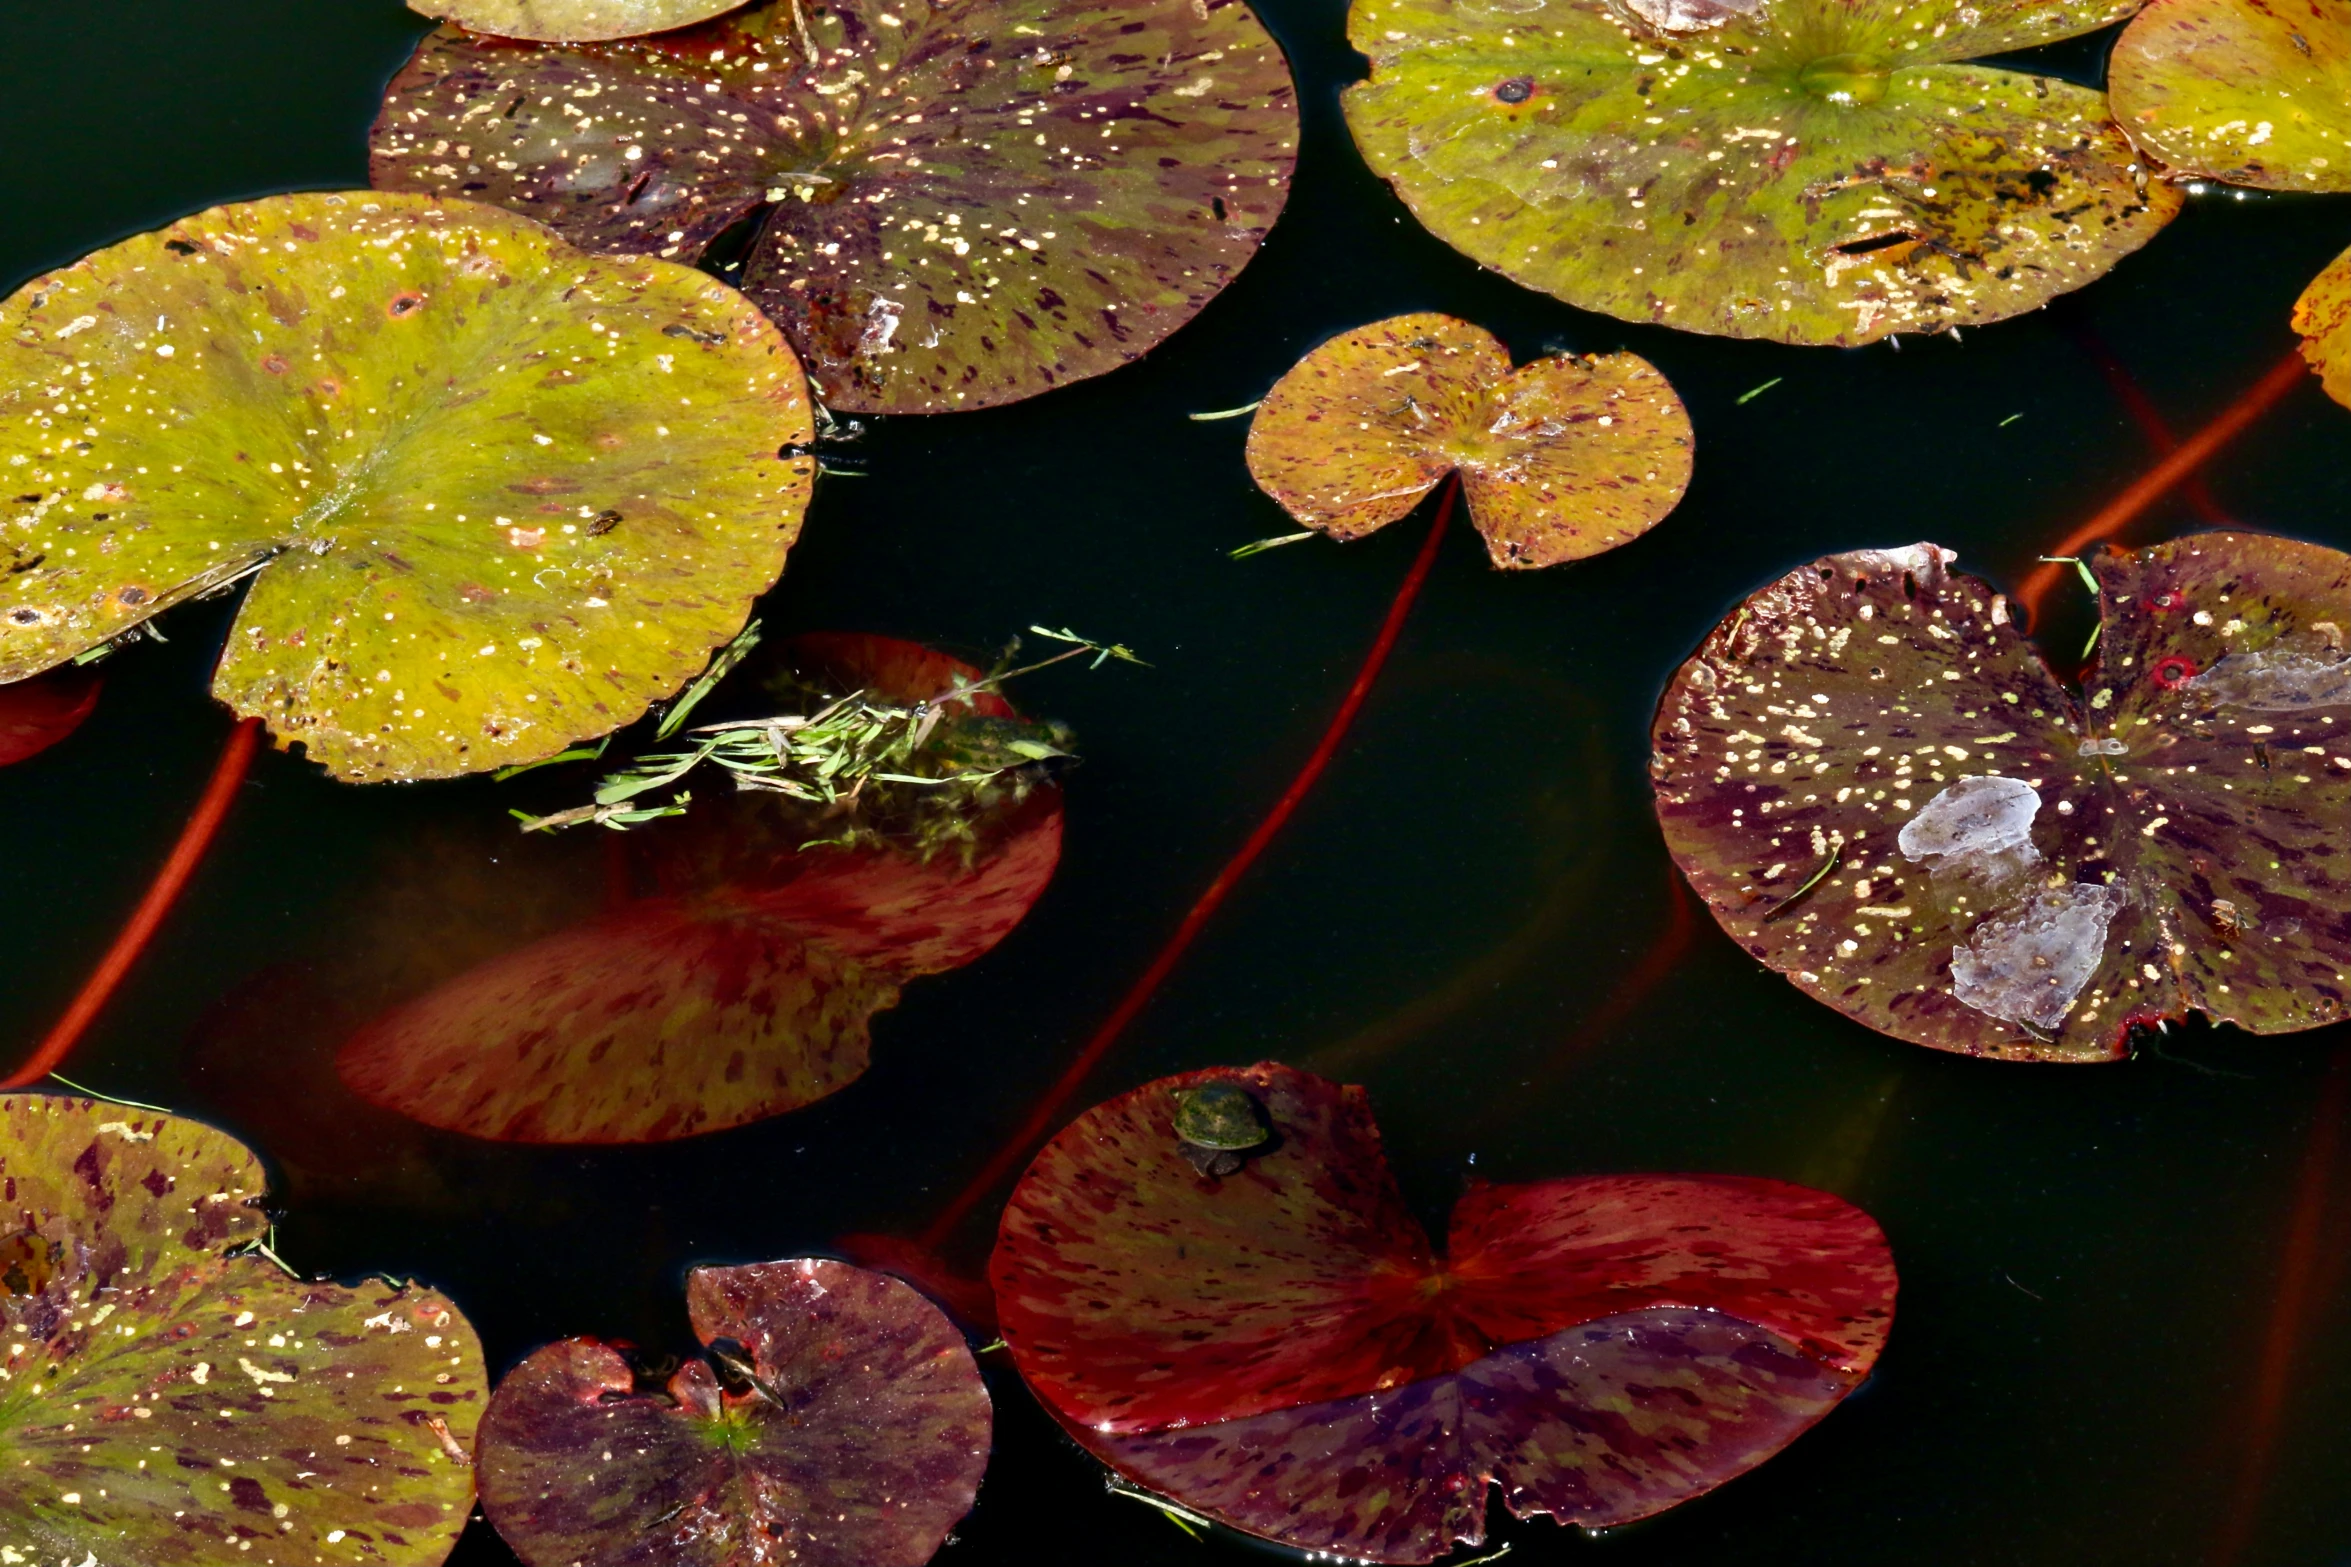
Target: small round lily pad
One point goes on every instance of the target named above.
(572, 21)
(1280, 1346)
(1559, 459)
(178, 1402)
(2240, 91)
(1881, 790)
(495, 494)
(839, 1422)
(2323, 316)
(960, 205)
(1801, 170)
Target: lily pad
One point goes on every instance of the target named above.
(962, 205)
(1801, 170)
(2323, 316)
(496, 494)
(1559, 459)
(175, 1401)
(2236, 90)
(843, 1424)
(744, 988)
(572, 21)
(1281, 1347)
(1880, 789)
(36, 714)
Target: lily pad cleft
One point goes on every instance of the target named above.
(495, 494)
(1807, 171)
(959, 204)
(1882, 791)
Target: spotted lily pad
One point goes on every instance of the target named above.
(1880, 789)
(962, 204)
(2240, 90)
(572, 21)
(839, 1422)
(2323, 316)
(496, 494)
(746, 987)
(1807, 171)
(1281, 1348)
(1559, 459)
(176, 1402)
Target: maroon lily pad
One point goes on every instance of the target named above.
(745, 987)
(963, 204)
(1883, 792)
(1282, 1348)
(839, 1422)
(36, 714)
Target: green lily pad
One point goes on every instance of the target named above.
(1801, 170)
(964, 204)
(2323, 316)
(840, 1421)
(1559, 459)
(572, 21)
(2238, 91)
(496, 494)
(1882, 792)
(175, 1402)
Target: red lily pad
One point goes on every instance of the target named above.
(176, 1401)
(1883, 792)
(963, 204)
(844, 1424)
(36, 714)
(1283, 1349)
(746, 987)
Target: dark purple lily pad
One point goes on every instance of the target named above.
(175, 1402)
(966, 205)
(844, 1425)
(1883, 792)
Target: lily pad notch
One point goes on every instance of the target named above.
(495, 495)
(1881, 790)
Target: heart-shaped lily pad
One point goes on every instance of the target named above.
(964, 204)
(745, 988)
(175, 1402)
(2323, 316)
(2238, 90)
(572, 21)
(843, 1424)
(1559, 459)
(1280, 1347)
(1802, 170)
(496, 494)
(1881, 790)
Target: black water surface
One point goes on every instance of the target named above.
(2090, 1256)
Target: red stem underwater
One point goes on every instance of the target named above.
(185, 856)
(1049, 1109)
(2147, 416)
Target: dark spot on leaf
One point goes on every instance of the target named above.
(1518, 89)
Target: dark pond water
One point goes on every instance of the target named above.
(2097, 1263)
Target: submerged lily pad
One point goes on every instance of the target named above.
(36, 714)
(2323, 316)
(1801, 170)
(843, 1424)
(962, 204)
(572, 21)
(1882, 792)
(1281, 1348)
(2238, 91)
(496, 494)
(174, 1402)
(744, 988)
(1559, 459)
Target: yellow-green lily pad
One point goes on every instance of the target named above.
(496, 494)
(1559, 459)
(174, 1401)
(2240, 90)
(2323, 316)
(572, 21)
(1807, 171)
